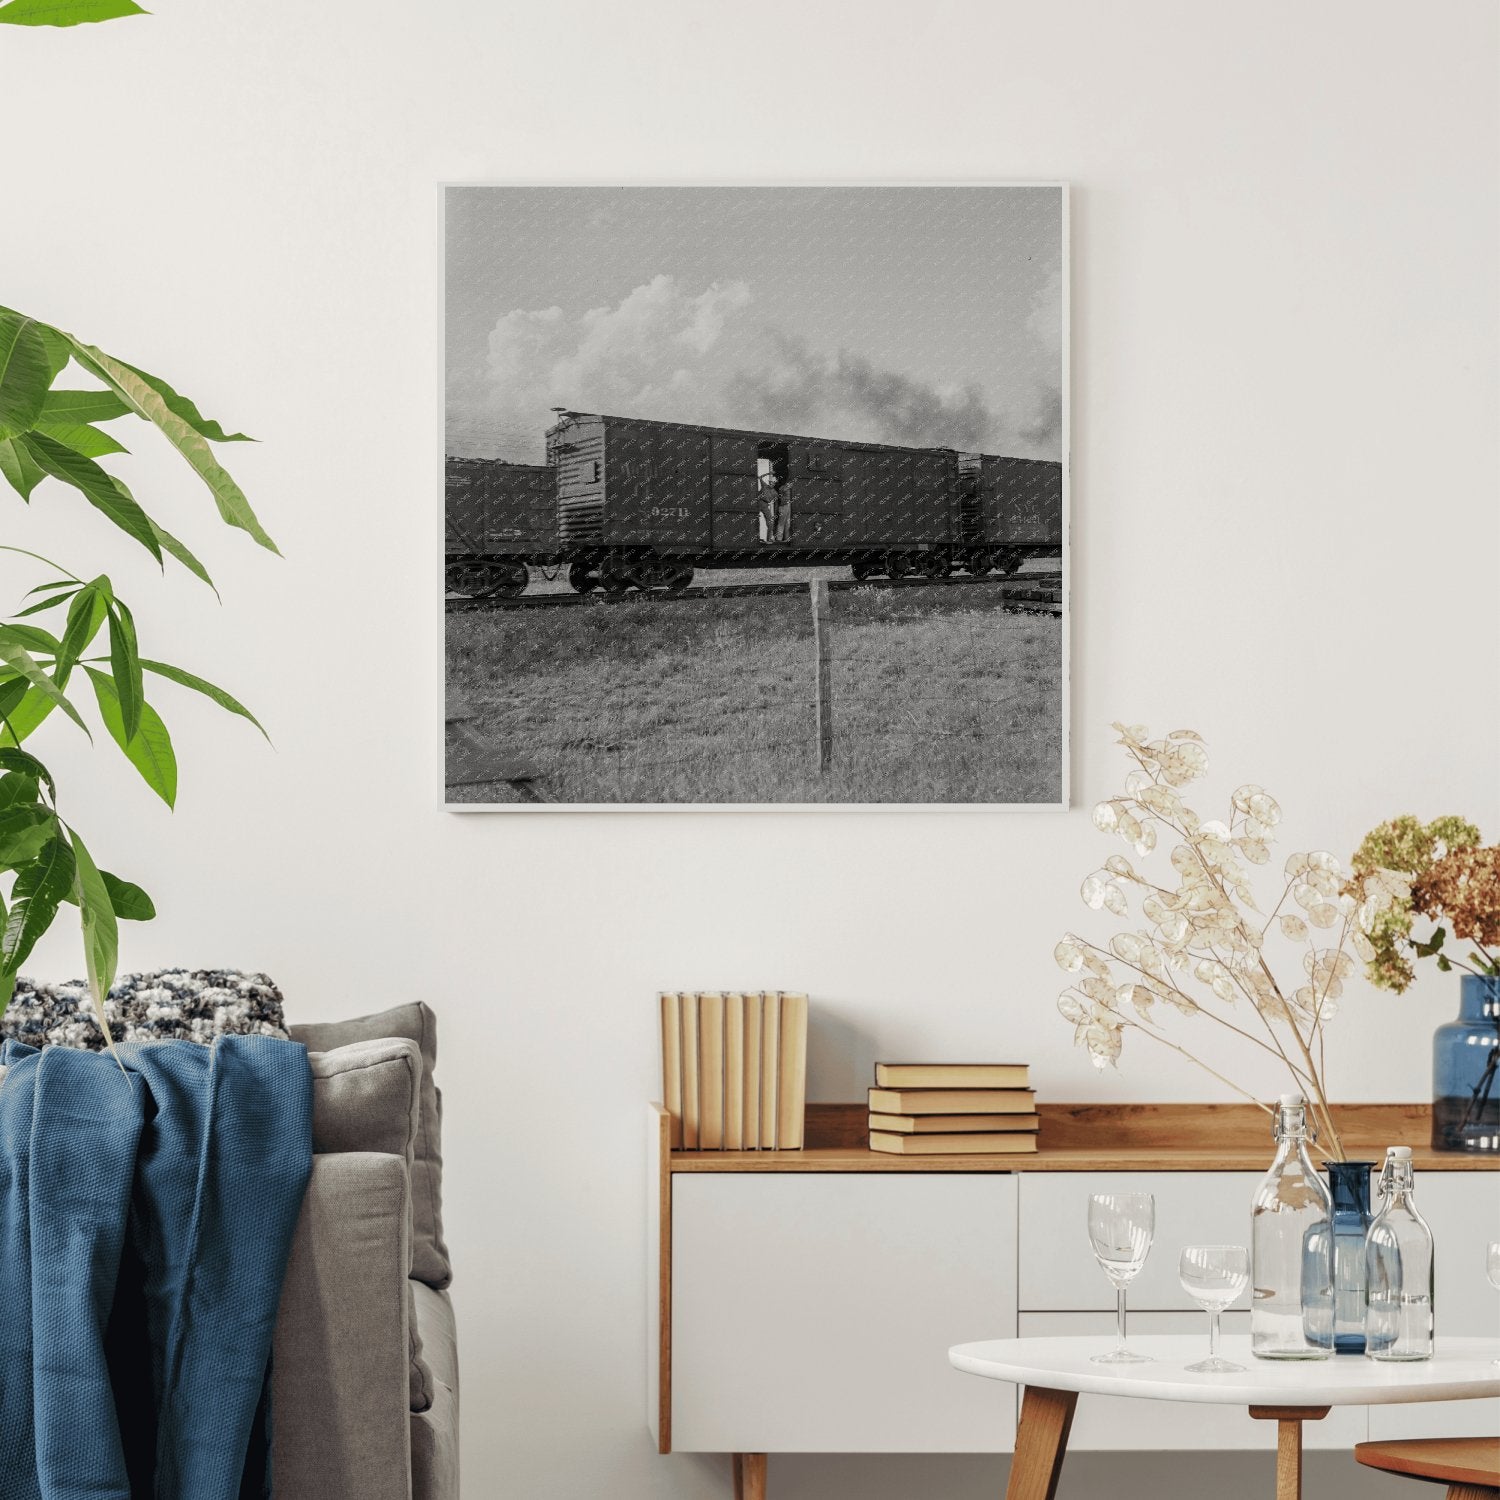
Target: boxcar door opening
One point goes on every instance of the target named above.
(773, 492)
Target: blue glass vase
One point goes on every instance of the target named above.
(1349, 1183)
(1466, 1071)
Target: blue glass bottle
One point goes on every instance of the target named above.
(1349, 1182)
(1466, 1071)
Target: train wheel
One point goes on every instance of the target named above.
(614, 583)
(679, 577)
(979, 564)
(471, 579)
(863, 568)
(897, 565)
(1009, 562)
(581, 579)
(933, 564)
(510, 580)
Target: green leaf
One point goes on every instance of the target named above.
(66, 12)
(34, 900)
(130, 902)
(182, 407)
(125, 664)
(85, 615)
(149, 750)
(50, 588)
(101, 933)
(33, 637)
(21, 470)
(145, 398)
(24, 371)
(11, 694)
(18, 657)
(80, 437)
(201, 685)
(17, 789)
(169, 543)
(23, 832)
(1444, 964)
(83, 406)
(28, 765)
(42, 606)
(100, 488)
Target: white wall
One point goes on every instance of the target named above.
(1285, 230)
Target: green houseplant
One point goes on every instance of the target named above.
(53, 430)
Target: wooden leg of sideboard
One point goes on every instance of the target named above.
(1041, 1442)
(749, 1476)
(1288, 1420)
(1472, 1492)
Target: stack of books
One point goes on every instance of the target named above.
(948, 1109)
(734, 1070)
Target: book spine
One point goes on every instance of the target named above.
(689, 1072)
(711, 1072)
(671, 1065)
(792, 1092)
(770, 1066)
(754, 1046)
(734, 1072)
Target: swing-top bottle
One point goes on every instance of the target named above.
(1291, 1248)
(1398, 1269)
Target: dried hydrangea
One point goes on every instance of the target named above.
(1201, 949)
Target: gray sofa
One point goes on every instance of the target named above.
(365, 1368)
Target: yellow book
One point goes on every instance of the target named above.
(671, 1064)
(791, 1092)
(734, 1072)
(953, 1075)
(770, 1065)
(689, 1006)
(994, 1144)
(954, 1124)
(952, 1101)
(711, 1072)
(754, 1042)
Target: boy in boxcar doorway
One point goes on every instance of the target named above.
(775, 502)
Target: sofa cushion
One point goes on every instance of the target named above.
(434, 1432)
(194, 1005)
(367, 1097)
(417, 1023)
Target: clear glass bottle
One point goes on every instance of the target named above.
(1398, 1270)
(1291, 1248)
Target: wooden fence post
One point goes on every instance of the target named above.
(823, 647)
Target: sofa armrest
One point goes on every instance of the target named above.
(340, 1428)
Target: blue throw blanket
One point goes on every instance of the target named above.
(145, 1222)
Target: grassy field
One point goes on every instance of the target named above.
(937, 697)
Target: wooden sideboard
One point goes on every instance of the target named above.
(760, 1264)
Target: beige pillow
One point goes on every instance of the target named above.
(367, 1097)
(417, 1023)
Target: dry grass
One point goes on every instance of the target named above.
(936, 699)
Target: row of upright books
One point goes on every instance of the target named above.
(734, 1070)
(953, 1109)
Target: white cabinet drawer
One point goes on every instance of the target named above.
(1122, 1424)
(1058, 1269)
(814, 1312)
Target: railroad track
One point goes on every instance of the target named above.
(1030, 589)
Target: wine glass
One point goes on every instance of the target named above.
(1120, 1229)
(1492, 1268)
(1213, 1276)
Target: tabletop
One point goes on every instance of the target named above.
(1461, 1369)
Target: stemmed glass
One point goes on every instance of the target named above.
(1213, 1276)
(1492, 1268)
(1121, 1226)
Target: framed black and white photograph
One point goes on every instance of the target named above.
(755, 496)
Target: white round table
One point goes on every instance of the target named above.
(1055, 1371)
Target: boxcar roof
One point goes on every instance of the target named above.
(503, 463)
(793, 437)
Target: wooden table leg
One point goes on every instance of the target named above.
(1041, 1442)
(1472, 1492)
(1289, 1420)
(749, 1476)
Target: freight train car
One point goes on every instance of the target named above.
(643, 502)
(500, 517)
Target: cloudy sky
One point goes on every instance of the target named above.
(926, 316)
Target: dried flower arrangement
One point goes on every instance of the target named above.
(1204, 946)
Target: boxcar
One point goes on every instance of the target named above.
(643, 502)
(1020, 509)
(500, 517)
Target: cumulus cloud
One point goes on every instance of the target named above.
(668, 352)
